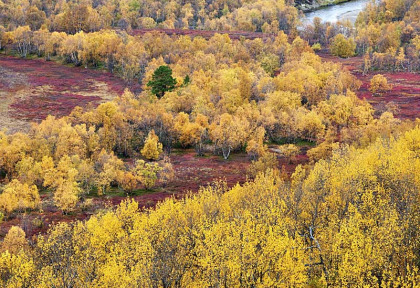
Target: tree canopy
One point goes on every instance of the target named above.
(162, 81)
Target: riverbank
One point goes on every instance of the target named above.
(307, 6)
(345, 10)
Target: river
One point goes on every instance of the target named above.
(347, 10)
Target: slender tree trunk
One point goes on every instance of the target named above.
(226, 152)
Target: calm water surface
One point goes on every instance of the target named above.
(343, 11)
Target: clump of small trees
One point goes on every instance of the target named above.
(342, 47)
(379, 85)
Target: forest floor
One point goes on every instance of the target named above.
(32, 89)
(191, 173)
(404, 95)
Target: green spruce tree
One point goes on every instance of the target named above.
(162, 81)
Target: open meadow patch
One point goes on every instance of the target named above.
(404, 95)
(30, 90)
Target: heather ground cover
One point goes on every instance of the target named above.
(191, 172)
(404, 95)
(32, 89)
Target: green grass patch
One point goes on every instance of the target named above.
(179, 151)
(118, 192)
(298, 142)
(302, 143)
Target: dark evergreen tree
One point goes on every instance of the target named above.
(162, 81)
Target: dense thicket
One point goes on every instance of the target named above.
(348, 218)
(232, 102)
(387, 33)
(352, 220)
(88, 16)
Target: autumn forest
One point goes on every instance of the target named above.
(218, 143)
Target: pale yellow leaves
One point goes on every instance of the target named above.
(14, 241)
(18, 196)
(228, 134)
(379, 84)
(152, 147)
